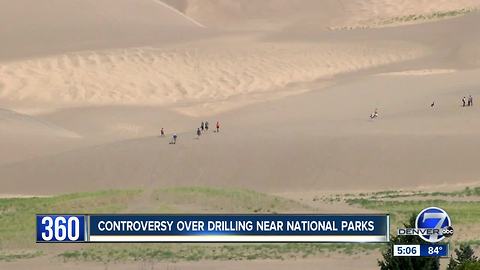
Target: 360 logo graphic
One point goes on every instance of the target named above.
(437, 222)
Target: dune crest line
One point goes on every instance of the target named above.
(179, 13)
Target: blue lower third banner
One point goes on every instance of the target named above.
(217, 228)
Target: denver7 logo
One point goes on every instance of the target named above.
(433, 218)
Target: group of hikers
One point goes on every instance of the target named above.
(204, 126)
(466, 102)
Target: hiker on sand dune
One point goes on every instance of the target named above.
(206, 125)
(162, 133)
(218, 126)
(464, 102)
(199, 133)
(202, 126)
(174, 138)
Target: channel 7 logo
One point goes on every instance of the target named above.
(433, 224)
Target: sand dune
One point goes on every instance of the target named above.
(257, 15)
(222, 75)
(23, 137)
(327, 133)
(34, 28)
(374, 12)
(16, 124)
(197, 78)
(278, 14)
(119, 122)
(103, 94)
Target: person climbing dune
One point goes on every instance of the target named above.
(174, 139)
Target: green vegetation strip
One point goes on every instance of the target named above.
(466, 192)
(178, 252)
(431, 16)
(17, 221)
(17, 215)
(9, 257)
(461, 212)
(207, 199)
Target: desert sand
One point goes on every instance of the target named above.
(86, 86)
(287, 14)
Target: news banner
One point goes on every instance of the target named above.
(212, 228)
(241, 228)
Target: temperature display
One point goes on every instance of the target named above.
(420, 250)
